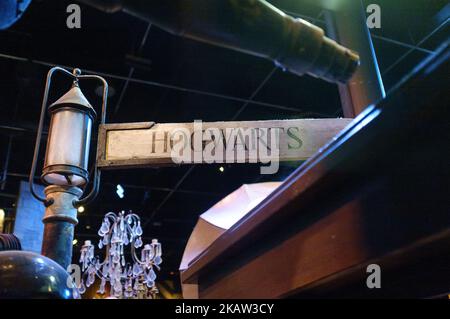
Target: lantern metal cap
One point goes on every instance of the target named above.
(73, 98)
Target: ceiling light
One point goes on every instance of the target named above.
(120, 191)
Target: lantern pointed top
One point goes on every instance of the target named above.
(73, 96)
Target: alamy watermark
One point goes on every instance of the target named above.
(74, 279)
(73, 20)
(374, 16)
(373, 21)
(226, 145)
(374, 279)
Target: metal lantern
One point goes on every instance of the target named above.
(67, 154)
(68, 143)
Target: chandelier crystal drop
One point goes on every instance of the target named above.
(134, 280)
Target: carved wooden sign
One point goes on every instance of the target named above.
(148, 144)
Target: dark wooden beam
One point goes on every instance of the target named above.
(378, 193)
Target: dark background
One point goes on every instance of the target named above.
(180, 80)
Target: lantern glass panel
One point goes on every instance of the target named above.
(67, 153)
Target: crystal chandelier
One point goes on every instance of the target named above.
(126, 280)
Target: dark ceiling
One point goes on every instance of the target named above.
(176, 80)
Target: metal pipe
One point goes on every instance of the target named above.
(251, 26)
(59, 222)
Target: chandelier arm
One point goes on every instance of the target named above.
(129, 227)
(135, 216)
(135, 219)
(104, 261)
(129, 220)
(97, 271)
(130, 230)
(112, 216)
(135, 257)
(106, 256)
(83, 277)
(108, 246)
